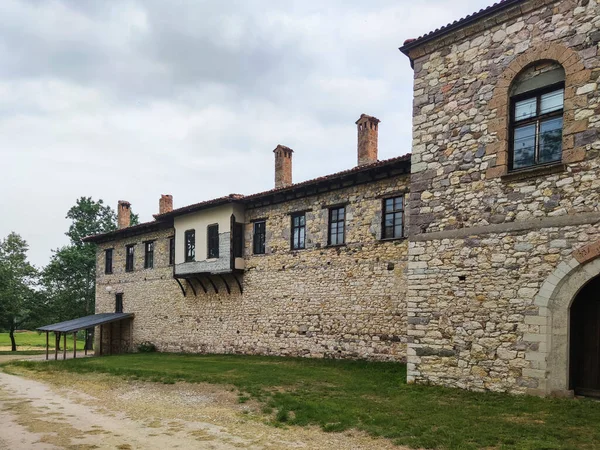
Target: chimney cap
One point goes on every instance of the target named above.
(284, 148)
(124, 203)
(365, 117)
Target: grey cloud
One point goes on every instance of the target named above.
(130, 98)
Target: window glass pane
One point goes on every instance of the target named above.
(341, 212)
(524, 147)
(388, 232)
(296, 221)
(339, 239)
(525, 109)
(389, 220)
(301, 220)
(301, 242)
(398, 228)
(389, 204)
(552, 101)
(295, 240)
(398, 203)
(551, 140)
(334, 215)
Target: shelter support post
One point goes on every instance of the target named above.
(47, 344)
(75, 345)
(56, 341)
(86, 342)
(101, 328)
(65, 346)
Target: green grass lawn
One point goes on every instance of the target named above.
(35, 339)
(374, 397)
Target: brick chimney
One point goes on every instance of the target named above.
(368, 128)
(165, 204)
(123, 214)
(283, 166)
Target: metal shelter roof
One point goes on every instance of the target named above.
(82, 323)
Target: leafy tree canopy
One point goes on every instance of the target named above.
(17, 277)
(69, 279)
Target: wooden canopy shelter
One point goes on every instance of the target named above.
(75, 325)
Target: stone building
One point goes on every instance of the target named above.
(308, 269)
(503, 290)
(497, 286)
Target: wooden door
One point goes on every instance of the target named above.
(585, 341)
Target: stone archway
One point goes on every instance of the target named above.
(584, 341)
(554, 299)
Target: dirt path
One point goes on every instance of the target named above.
(93, 411)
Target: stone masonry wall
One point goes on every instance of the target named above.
(345, 301)
(484, 240)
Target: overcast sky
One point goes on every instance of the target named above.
(133, 99)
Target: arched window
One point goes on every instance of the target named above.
(536, 116)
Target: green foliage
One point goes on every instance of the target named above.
(89, 217)
(282, 415)
(17, 279)
(146, 347)
(69, 279)
(67, 284)
(373, 397)
(36, 339)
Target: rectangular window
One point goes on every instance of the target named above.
(337, 224)
(536, 128)
(393, 218)
(149, 255)
(119, 303)
(259, 238)
(213, 241)
(108, 260)
(298, 231)
(238, 240)
(190, 245)
(171, 251)
(129, 253)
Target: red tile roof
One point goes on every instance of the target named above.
(231, 198)
(332, 177)
(128, 231)
(238, 198)
(411, 43)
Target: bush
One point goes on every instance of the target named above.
(146, 347)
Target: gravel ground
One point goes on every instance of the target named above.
(95, 411)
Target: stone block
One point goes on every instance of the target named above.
(574, 155)
(495, 172)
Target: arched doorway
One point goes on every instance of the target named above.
(584, 354)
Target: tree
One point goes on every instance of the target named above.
(89, 217)
(70, 277)
(17, 277)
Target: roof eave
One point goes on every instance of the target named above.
(192, 209)
(457, 25)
